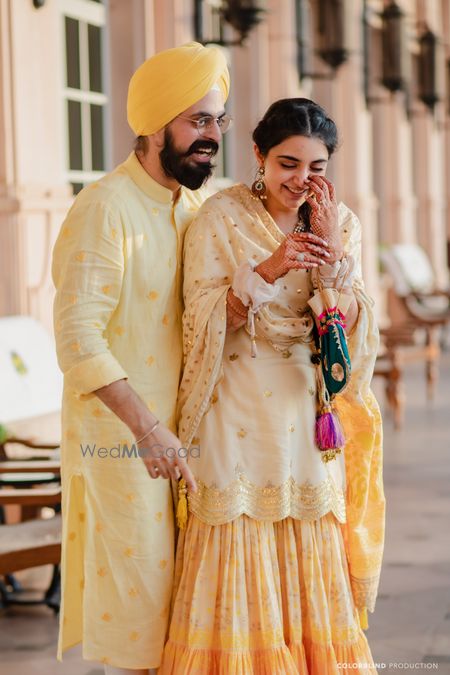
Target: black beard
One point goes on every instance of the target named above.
(175, 163)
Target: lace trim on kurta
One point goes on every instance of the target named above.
(271, 503)
(365, 591)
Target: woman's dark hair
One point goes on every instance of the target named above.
(295, 117)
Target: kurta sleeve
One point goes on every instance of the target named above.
(88, 269)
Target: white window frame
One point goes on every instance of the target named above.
(94, 13)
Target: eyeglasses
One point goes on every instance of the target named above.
(206, 123)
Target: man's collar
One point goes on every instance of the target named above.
(145, 182)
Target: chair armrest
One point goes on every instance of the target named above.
(426, 316)
(30, 466)
(32, 497)
(28, 443)
(438, 293)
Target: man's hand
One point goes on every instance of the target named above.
(160, 452)
(129, 407)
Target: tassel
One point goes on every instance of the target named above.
(252, 331)
(182, 510)
(363, 619)
(329, 434)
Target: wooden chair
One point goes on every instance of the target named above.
(30, 543)
(30, 395)
(418, 312)
(414, 296)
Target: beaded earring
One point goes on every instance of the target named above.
(259, 187)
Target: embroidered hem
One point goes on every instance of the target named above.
(269, 503)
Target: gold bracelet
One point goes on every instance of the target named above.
(148, 432)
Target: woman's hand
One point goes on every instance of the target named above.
(303, 250)
(160, 452)
(324, 216)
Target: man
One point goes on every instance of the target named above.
(118, 307)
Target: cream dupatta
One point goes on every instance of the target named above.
(230, 228)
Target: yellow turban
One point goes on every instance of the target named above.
(170, 82)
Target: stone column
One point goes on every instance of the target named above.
(446, 123)
(173, 23)
(393, 171)
(282, 71)
(264, 70)
(430, 164)
(429, 171)
(249, 98)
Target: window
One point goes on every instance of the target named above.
(85, 100)
(208, 21)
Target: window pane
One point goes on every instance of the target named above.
(75, 151)
(72, 53)
(98, 160)
(95, 58)
(77, 187)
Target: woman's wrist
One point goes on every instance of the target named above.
(336, 249)
(263, 272)
(338, 274)
(334, 241)
(337, 255)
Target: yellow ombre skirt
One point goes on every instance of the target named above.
(263, 598)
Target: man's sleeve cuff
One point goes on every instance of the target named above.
(93, 373)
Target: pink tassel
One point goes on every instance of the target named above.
(329, 434)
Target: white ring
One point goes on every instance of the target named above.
(301, 257)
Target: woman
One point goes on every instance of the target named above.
(281, 555)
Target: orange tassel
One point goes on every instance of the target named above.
(182, 510)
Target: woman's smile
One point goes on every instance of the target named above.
(297, 192)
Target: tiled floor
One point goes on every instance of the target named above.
(410, 629)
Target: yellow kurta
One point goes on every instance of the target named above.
(118, 307)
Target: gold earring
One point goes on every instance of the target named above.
(259, 187)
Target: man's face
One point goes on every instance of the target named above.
(187, 154)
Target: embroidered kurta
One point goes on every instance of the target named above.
(256, 443)
(118, 309)
(253, 419)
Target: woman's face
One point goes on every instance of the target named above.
(288, 166)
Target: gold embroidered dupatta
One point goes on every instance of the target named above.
(230, 228)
